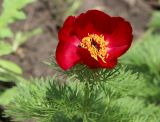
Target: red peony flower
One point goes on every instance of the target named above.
(94, 39)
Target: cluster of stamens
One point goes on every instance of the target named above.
(96, 45)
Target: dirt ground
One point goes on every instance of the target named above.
(40, 48)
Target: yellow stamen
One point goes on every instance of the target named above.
(96, 45)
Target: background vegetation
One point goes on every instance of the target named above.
(128, 93)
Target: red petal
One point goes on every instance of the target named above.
(111, 62)
(118, 51)
(93, 21)
(121, 38)
(66, 53)
(67, 30)
(86, 58)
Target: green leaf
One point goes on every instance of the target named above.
(10, 71)
(20, 15)
(5, 32)
(19, 3)
(10, 77)
(10, 13)
(7, 96)
(5, 48)
(10, 66)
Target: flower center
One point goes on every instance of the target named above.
(96, 45)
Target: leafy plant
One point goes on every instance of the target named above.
(11, 73)
(144, 58)
(87, 95)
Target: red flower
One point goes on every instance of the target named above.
(93, 38)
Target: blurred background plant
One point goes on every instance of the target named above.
(10, 72)
(144, 57)
(129, 93)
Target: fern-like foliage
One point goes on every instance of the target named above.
(84, 95)
(144, 58)
(144, 54)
